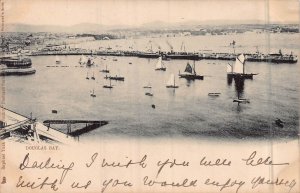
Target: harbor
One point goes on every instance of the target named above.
(225, 93)
(64, 87)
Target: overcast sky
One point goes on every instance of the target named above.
(136, 12)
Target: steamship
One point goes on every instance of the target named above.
(16, 66)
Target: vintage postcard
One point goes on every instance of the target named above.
(149, 96)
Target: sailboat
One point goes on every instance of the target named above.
(93, 77)
(93, 94)
(190, 73)
(241, 100)
(149, 93)
(82, 60)
(87, 76)
(89, 62)
(117, 78)
(57, 60)
(148, 86)
(171, 82)
(108, 86)
(105, 70)
(214, 94)
(237, 70)
(160, 65)
(279, 122)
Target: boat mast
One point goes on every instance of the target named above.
(174, 81)
(244, 66)
(233, 46)
(194, 68)
(182, 48)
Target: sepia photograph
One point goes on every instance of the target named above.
(216, 74)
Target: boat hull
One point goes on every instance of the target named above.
(161, 69)
(241, 100)
(214, 94)
(170, 86)
(241, 76)
(17, 71)
(16, 62)
(148, 94)
(117, 78)
(191, 76)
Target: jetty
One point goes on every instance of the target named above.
(19, 128)
(89, 125)
(251, 57)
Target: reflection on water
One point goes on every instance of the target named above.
(229, 80)
(239, 86)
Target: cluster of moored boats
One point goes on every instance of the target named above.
(235, 71)
(89, 62)
(253, 57)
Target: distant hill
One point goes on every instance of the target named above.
(79, 28)
(196, 23)
(31, 28)
(96, 28)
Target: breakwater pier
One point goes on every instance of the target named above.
(252, 57)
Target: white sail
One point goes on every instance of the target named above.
(229, 68)
(57, 59)
(159, 63)
(241, 58)
(83, 59)
(171, 81)
(239, 64)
